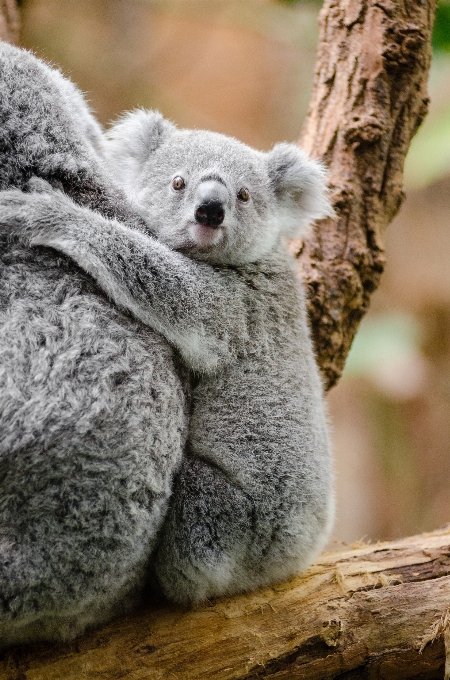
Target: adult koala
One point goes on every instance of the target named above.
(92, 411)
(253, 501)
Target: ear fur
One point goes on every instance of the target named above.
(300, 188)
(132, 139)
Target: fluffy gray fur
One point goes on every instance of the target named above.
(93, 413)
(253, 501)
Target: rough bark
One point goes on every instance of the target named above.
(369, 97)
(9, 21)
(375, 611)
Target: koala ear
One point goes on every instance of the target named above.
(300, 188)
(131, 140)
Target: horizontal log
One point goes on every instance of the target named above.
(373, 611)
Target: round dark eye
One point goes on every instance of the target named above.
(178, 183)
(243, 195)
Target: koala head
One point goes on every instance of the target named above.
(210, 196)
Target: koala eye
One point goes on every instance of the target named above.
(178, 183)
(243, 195)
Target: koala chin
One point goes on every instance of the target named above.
(253, 500)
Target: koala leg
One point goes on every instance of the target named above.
(76, 531)
(55, 590)
(218, 539)
(252, 504)
(207, 522)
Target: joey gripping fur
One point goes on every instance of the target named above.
(252, 502)
(92, 409)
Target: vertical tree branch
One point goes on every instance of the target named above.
(9, 21)
(369, 97)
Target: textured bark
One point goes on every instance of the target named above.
(369, 97)
(377, 611)
(9, 21)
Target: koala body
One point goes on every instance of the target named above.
(253, 501)
(93, 412)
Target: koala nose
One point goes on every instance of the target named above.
(211, 213)
(211, 200)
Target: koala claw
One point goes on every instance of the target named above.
(40, 186)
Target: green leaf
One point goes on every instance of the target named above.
(441, 30)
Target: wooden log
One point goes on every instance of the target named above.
(373, 611)
(369, 97)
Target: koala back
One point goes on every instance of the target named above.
(93, 424)
(93, 413)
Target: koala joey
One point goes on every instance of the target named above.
(93, 413)
(253, 501)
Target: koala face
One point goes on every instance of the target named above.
(210, 196)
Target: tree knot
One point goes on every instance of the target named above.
(331, 632)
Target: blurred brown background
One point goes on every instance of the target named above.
(244, 68)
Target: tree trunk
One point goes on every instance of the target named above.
(369, 97)
(9, 21)
(375, 611)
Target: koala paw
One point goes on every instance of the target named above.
(26, 215)
(40, 186)
(13, 211)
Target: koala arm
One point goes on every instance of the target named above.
(188, 302)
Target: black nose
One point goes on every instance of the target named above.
(210, 213)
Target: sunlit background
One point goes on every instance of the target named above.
(244, 68)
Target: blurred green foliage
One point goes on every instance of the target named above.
(381, 339)
(441, 31)
(429, 156)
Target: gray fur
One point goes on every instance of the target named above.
(92, 410)
(253, 501)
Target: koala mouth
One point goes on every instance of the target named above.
(205, 236)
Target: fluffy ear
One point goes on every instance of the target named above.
(131, 140)
(300, 188)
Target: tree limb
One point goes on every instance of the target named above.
(379, 610)
(369, 97)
